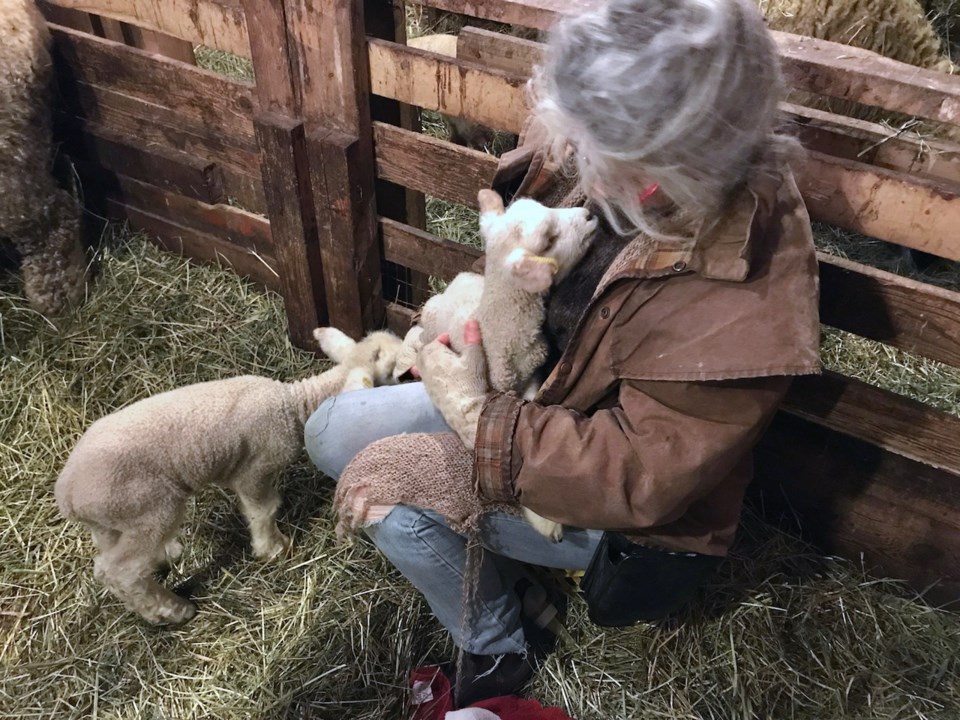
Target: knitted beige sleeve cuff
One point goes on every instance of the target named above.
(492, 466)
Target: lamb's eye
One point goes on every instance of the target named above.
(552, 238)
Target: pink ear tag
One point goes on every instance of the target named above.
(647, 193)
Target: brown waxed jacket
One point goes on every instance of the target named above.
(647, 422)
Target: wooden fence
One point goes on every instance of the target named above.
(323, 154)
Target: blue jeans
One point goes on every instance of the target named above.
(420, 544)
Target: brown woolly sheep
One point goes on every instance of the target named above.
(42, 220)
(897, 29)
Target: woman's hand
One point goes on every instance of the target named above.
(457, 384)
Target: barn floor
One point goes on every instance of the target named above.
(332, 632)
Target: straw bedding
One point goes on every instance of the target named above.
(332, 632)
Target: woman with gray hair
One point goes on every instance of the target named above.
(674, 340)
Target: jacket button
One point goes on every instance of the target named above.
(564, 368)
(679, 266)
(604, 312)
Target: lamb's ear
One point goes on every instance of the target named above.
(532, 274)
(334, 343)
(490, 202)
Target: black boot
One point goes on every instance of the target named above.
(487, 676)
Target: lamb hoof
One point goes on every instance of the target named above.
(174, 551)
(554, 534)
(172, 612)
(275, 548)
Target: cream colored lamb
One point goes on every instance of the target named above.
(528, 248)
(130, 475)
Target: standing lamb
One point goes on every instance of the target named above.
(528, 247)
(130, 475)
(41, 220)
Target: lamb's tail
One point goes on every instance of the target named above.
(63, 495)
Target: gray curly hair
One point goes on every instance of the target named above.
(683, 94)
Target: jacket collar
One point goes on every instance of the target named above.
(721, 250)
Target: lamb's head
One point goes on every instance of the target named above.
(536, 244)
(370, 361)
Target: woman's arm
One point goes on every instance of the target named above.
(637, 465)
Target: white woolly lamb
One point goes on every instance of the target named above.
(129, 477)
(528, 248)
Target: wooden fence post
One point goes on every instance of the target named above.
(388, 21)
(286, 185)
(285, 171)
(328, 46)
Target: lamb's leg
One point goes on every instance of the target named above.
(169, 551)
(127, 569)
(259, 502)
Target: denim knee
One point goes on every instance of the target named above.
(321, 439)
(399, 531)
(345, 424)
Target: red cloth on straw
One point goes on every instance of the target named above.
(433, 699)
(510, 707)
(432, 694)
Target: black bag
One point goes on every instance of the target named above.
(628, 583)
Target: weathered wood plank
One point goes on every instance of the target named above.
(854, 499)
(865, 77)
(874, 144)
(271, 56)
(498, 51)
(399, 318)
(150, 126)
(425, 252)
(881, 306)
(197, 245)
(537, 14)
(327, 46)
(204, 98)
(233, 225)
(286, 181)
(892, 422)
(133, 116)
(73, 19)
(169, 169)
(159, 43)
(455, 87)
(453, 173)
(919, 213)
(333, 81)
(347, 222)
(202, 22)
(812, 65)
